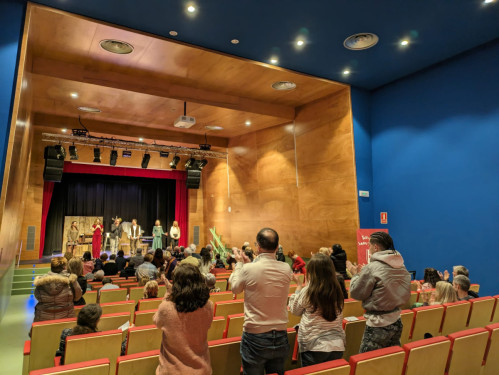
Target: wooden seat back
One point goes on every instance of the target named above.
(90, 297)
(475, 288)
(387, 361)
(222, 284)
(481, 311)
(427, 319)
(407, 318)
(352, 307)
(427, 357)
(116, 307)
(109, 322)
(136, 293)
(149, 304)
(113, 295)
(143, 339)
(492, 353)
(144, 318)
(225, 356)
(226, 308)
(216, 331)
(467, 351)
(293, 320)
(413, 298)
(144, 363)
(354, 330)
(221, 296)
(234, 327)
(495, 315)
(455, 317)
(96, 367)
(338, 367)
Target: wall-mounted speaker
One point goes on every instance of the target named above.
(193, 178)
(54, 164)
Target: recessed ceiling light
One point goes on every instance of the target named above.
(89, 109)
(404, 43)
(64, 130)
(173, 33)
(235, 41)
(213, 127)
(300, 42)
(74, 95)
(191, 8)
(274, 60)
(346, 72)
(248, 123)
(116, 46)
(283, 85)
(141, 139)
(488, 1)
(360, 41)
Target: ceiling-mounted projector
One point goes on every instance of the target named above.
(184, 122)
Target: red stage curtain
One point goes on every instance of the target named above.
(48, 189)
(181, 198)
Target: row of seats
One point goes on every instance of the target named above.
(473, 351)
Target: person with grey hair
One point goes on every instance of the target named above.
(193, 247)
(99, 275)
(211, 281)
(136, 260)
(189, 259)
(461, 285)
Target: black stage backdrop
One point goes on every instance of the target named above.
(145, 199)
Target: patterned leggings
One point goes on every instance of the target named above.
(381, 337)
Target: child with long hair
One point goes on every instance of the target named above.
(320, 303)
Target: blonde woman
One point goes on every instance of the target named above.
(444, 293)
(75, 266)
(72, 237)
(97, 230)
(174, 234)
(151, 289)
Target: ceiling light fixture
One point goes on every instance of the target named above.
(213, 127)
(284, 85)
(202, 163)
(488, 1)
(64, 130)
(191, 8)
(235, 41)
(346, 72)
(274, 60)
(113, 157)
(174, 162)
(300, 42)
(190, 163)
(404, 43)
(89, 109)
(360, 41)
(141, 139)
(74, 95)
(173, 33)
(247, 123)
(73, 153)
(116, 46)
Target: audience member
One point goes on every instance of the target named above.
(158, 261)
(280, 254)
(248, 251)
(75, 266)
(382, 285)
(460, 270)
(178, 253)
(193, 247)
(188, 258)
(205, 264)
(98, 276)
(143, 280)
(461, 285)
(99, 263)
(430, 279)
(137, 259)
(188, 313)
(111, 268)
(444, 293)
(107, 284)
(211, 280)
(219, 263)
(151, 289)
(339, 258)
(264, 344)
(56, 292)
(170, 264)
(320, 305)
(88, 265)
(147, 269)
(68, 255)
(121, 261)
(298, 263)
(231, 261)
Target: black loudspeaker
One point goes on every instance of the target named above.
(193, 178)
(54, 164)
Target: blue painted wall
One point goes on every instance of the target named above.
(435, 157)
(363, 154)
(11, 21)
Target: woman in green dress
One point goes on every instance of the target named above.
(157, 233)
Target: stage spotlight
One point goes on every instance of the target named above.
(96, 155)
(190, 163)
(145, 160)
(73, 153)
(164, 154)
(126, 154)
(114, 157)
(61, 152)
(202, 163)
(174, 162)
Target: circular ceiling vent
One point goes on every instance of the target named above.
(361, 41)
(284, 85)
(116, 46)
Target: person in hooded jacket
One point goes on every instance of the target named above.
(339, 258)
(56, 292)
(382, 285)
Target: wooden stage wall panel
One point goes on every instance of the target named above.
(318, 211)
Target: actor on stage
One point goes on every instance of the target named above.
(174, 234)
(97, 230)
(134, 236)
(115, 235)
(157, 233)
(72, 237)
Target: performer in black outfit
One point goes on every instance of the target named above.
(115, 235)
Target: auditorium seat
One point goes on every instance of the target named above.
(221, 296)
(428, 357)
(492, 352)
(95, 367)
(475, 288)
(90, 297)
(290, 363)
(467, 351)
(455, 317)
(222, 284)
(338, 367)
(106, 344)
(143, 339)
(352, 307)
(144, 363)
(109, 322)
(481, 311)
(354, 330)
(149, 304)
(226, 308)
(144, 318)
(414, 286)
(128, 286)
(292, 288)
(161, 291)
(407, 318)
(387, 361)
(95, 285)
(217, 328)
(293, 320)
(225, 356)
(411, 301)
(427, 319)
(347, 284)
(78, 308)
(136, 293)
(121, 306)
(234, 326)
(113, 295)
(495, 316)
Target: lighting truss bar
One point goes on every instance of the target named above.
(130, 145)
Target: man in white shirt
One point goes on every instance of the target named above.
(265, 282)
(134, 236)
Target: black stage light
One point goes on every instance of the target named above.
(190, 163)
(114, 157)
(73, 153)
(61, 152)
(127, 154)
(145, 160)
(96, 155)
(164, 154)
(202, 163)
(174, 162)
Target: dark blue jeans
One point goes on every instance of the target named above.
(264, 352)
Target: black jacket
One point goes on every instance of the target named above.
(340, 262)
